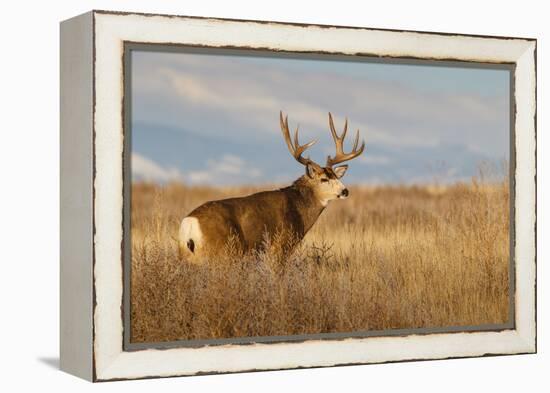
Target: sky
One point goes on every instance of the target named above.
(213, 118)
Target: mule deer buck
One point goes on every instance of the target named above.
(291, 210)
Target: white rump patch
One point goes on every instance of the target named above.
(190, 229)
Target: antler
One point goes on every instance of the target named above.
(294, 147)
(339, 141)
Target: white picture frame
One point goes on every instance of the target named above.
(92, 194)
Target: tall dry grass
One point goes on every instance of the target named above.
(387, 257)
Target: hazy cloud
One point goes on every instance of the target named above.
(227, 169)
(146, 169)
(374, 159)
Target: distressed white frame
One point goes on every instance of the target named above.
(111, 30)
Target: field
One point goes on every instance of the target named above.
(387, 257)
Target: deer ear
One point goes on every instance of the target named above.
(340, 171)
(311, 170)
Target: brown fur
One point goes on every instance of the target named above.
(249, 220)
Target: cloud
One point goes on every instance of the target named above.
(228, 169)
(145, 169)
(212, 94)
(374, 159)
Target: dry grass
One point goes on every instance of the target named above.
(387, 257)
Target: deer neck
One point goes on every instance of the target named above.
(307, 203)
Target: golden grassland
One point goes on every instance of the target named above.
(387, 257)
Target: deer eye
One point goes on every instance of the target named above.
(323, 180)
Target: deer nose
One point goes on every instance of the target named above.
(345, 192)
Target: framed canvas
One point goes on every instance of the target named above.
(199, 236)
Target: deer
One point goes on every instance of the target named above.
(293, 210)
